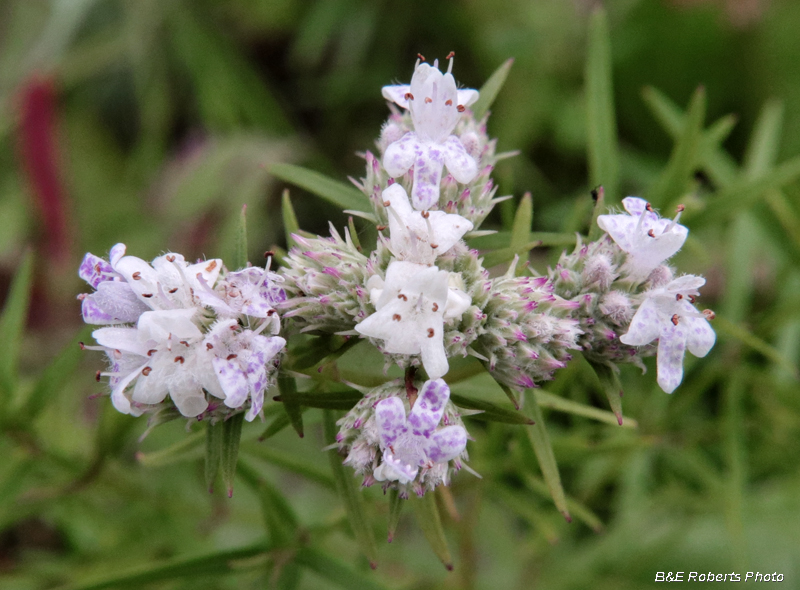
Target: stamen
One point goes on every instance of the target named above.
(151, 352)
(230, 357)
(147, 295)
(408, 96)
(212, 265)
(430, 332)
(396, 317)
(678, 297)
(692, 298)
(186, 344)
(675, 319)
(680, 210)
(428, 100)
(421, 57)
(173, 290)
(401, 296)
(461, 108)
(97, 376)
(651, 233)
(170, 258)
(137, 276)
(708, 314)
(435, 306)
(87, 347)
(269, 254)
(448, 102)
(146, 371)
(380, 227)
(179, 359)
(209, 346)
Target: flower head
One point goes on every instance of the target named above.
(667, 313)
(419, 236)
(409, 317)
(647, 238)
(433, 100)
(415, 441)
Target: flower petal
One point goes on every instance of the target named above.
(233, 381)
(94, 270)
(671, 347)
(645, 325)
(427, 176)
(447, 443)
(394, 469)
(159, 325)
(114, 302)
(429, 407)
(397, 94)
(400, 155)
(700, 336)
(390, 417)
(459, 163)
(432, 352)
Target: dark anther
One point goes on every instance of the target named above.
(97, 376)
(675, 319)
(425, 215)
(147, 295)
(137, 276)
(692, 298)
(396, 317)
(230, 357)
(269, 253)
(408, 96)
(171, 258)
(435, 306)
(461, 108)
(678, 297)
(184, 343)
(151, 352)
(649, 207)
(403, 297)
(209, 346)
(708, 314)
(179, 359)
(428, 100)
(380, 227)
(448, 102)
(430, 332)
(651, 233)
(146, 371)
(421, 57)
(173, 290)
(451, 55)
(387, 203)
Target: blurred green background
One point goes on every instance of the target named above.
(151, 122)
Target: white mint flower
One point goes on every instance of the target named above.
(419, 236)
(667, 313)
(414, 442)
(436, 105)
(252, 291)
(410, 312)
(648, 239)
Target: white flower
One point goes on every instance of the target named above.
(419, 236)
(667, 313)
(435, 106)
(410, 311)
(648, 239)
(413, 442)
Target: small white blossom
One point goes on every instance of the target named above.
(648, 239)
(419, 236)
(435, 105)
(411, 307)
(413, 442)
(667, 313)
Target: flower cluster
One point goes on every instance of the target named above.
(187, 331)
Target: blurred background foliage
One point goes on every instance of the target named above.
(152, 121)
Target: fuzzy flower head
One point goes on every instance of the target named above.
(433, 101)
(411, 307)
(419, 236)
(648, 239)
(667, 314)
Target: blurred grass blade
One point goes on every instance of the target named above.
(521, 229)
(599, 197)
(667, 113)
(510, 395)
(213, 458)
(504, 255)
(289, 462)
(429, 520)
(560, 404)
(351, 496)
(288, 388)
(611, 386)
(725, 326)
(217, 563)
(540, 440)
(240, 250)
(489, 411)
(290, 224)
(327, 400)
(601, 124)
(491, 88)
(52, 379)
(672, 183)
(501, 239)
(12, 324)
(353, 234)
(334, 571)
(762, 149)
(527, 510)
(231, 436)
(333, 191)
(280, 519)
(395, 507)
(187, 449)
(280, 422)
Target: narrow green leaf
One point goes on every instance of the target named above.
(351, 496)
(523, 221)
(672, 183)
(217, 563)
(510, 395)
(289, 462)
(280, 422)
(560, 404)
(540, 440)
(231, 436)
(666, 112)
(353, 233)
(395, 507)
(430, 522)
(12, 323)
(240, 252)
(611, 386)
(762, 149)
(333, 191)
(529, 511)
(288, 388)
(501, 239)
(280, 519)
(328, 400)
(601, 123)
(599, 197)
(577, 509)
(504, 255)
(489, 411)
(725, 326)
(491, 88)
(290, 224)
(187, 449)
(334, 571)
(214, 442)
(52, 378)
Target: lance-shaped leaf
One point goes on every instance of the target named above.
(12, 322)
(765, 141)
(560, 404)
(280, 422)
(331, 190)
(501, 239)
(504, 255)
(288, 388)
(489, 412)
(350, 495)
(334, 571)
(279, 517)
(327, 400)
(289, 462)
(599, 198)
(611, 386)
(213, 458)
(430, 522)
(240, 251)
(395, 507)
(542, 447)
(672, 183)
(186, 449)
(290, 224)
(491, 88)
(231, 436)
(601, 123)
(577, 509)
